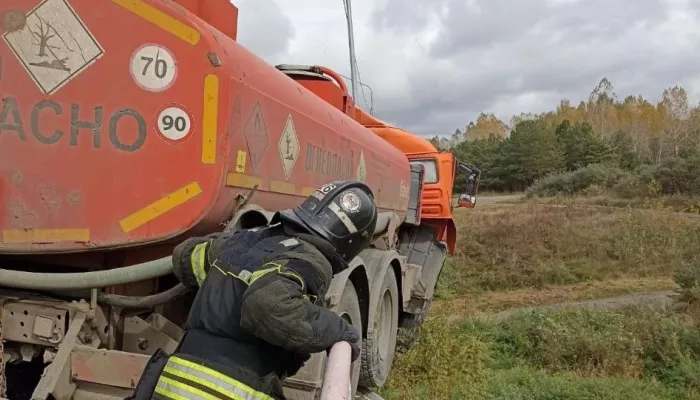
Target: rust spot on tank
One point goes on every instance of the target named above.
(13, 20)
(49, 196)
(24, 217)
(17, 178)
(74, 197)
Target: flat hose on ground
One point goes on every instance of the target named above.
(86, 280)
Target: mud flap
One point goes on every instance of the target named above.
(149, 378)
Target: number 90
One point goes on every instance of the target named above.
(169, 122)
(174, 123)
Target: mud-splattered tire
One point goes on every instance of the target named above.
(379, 345)
(349, 309)
(409, 328)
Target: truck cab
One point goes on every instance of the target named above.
(440, 169)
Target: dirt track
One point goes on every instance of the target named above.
(655, 299)
(486, 200)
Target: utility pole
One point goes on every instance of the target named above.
(351, 42)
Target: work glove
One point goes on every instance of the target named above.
(353, 337)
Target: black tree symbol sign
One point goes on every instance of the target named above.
(42, 35)
(289, 155)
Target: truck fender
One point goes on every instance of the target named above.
(378, 262)
(357, 273)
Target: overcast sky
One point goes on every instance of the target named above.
(433, 65)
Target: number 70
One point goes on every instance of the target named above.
(160, 68)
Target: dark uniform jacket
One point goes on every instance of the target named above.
(254, 320)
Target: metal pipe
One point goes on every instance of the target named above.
(144, 302)
(351, 43)
(336, 382)
(86, 280)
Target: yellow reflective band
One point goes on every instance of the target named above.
(262, 272)
(205, 383)
(161, 20)
(252, 277)
(170, 395)
(213, 379)
(186, 391)
(286, 273)
(197, 259)
(231, 274)
(210, 118)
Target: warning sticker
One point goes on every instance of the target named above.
(54, 45)
(289, 147)
(362, 168)
(255, 133)
(240, 161)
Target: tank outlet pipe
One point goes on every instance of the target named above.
(86, 280)
(336, 383)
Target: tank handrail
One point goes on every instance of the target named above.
(336, 77)
(336, 382)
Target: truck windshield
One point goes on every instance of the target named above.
(430, 170)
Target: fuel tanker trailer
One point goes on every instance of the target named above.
(127, 126)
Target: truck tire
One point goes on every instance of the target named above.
(349, 309)
(409, 328)
(379, 345)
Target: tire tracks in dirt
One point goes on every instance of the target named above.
(657, 299)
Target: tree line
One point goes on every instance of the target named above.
(633, 134)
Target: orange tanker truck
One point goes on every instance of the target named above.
(127, 126)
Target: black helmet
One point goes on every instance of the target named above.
(343, 213)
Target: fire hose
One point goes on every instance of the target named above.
(86, 280)
(336, 382)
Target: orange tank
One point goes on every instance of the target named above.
(129, 122)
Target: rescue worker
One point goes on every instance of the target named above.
(255, 319)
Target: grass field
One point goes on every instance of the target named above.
(544, 252)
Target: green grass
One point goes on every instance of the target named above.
(526, 383)
(515, 253)
(634, 353)
(534, 245)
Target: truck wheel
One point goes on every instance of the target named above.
(349, 310)
(409, 328)
(378, 348)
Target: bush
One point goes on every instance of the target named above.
(688, 279)
(533, 245)
(673, 176)
(602, 176)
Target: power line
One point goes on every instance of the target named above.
(371, 93)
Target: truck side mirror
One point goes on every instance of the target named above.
(466, 201)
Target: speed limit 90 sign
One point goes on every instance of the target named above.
(174, 122)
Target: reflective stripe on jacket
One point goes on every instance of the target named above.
(185, 380)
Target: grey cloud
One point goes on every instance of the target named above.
(501, 56)
(263, 26)
(509, 48)
(404, 15)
